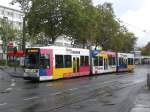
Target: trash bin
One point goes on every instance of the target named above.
(148, 80)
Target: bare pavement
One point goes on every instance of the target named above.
(123, 92)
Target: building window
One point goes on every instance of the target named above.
(2, 12)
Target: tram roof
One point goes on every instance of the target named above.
(59, 47)
(126, 54)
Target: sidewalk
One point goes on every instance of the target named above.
(142, 102)
(11, 71)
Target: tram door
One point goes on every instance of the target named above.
(105, 64)
(76, 64)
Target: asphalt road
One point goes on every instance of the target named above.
(103, 93)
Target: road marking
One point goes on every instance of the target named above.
(36, 97)
(3, 104)
(130, 84)
(139, 81)
(8, 89)
(72, 89)
(13, 84)
(141, 106)
(57, 93)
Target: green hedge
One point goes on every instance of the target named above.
(2, 62)
(10, 63)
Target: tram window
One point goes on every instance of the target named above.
(120, 61)
(114, 61)
(32, 60)
(59, 61)
(124, 61)
(96, 61)
(86, 60)
(81, 60)
(110, 61)
(45, 61)
(100, 61)
(68, 62)
(130, 61)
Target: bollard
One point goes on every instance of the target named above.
(148, 80)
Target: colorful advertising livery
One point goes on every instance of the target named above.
(53, 62)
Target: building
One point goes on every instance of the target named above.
(139, 59)
(13, 17)
(63, 40)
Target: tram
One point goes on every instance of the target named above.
(50, 63)
(54, 62)
(125, 62)
(104, 62)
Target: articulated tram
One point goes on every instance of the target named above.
(49, 63)
(103, 62)
(54, 62)
(125, 62)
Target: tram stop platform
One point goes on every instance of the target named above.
(142, 102)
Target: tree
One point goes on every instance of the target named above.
(146, 50)
(7, 30)
(7, 34)
(57, 17)
(25, 7)
(78, 19)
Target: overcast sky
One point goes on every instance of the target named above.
(133, 13)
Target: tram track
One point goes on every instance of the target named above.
(79, 91)
(55, 98)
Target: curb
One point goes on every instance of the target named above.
(12, 74)
(16, 76)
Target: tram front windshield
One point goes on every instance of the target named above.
(32, 59)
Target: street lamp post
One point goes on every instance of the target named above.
(5, 27)
(24, 34)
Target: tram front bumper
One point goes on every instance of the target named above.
(30, 76)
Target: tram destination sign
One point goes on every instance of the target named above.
(32, 50)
